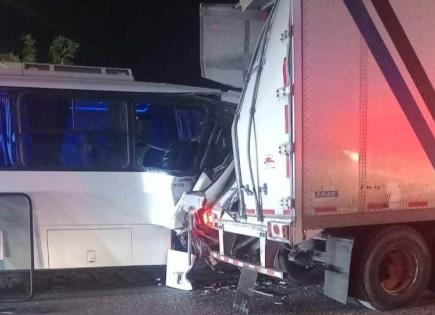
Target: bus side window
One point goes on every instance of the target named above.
(7, 135)
(65, 132)
(168, 137)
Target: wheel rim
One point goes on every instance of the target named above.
(398, 270)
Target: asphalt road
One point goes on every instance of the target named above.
(139, 291)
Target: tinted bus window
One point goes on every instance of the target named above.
(7, 135)
(73, 132)
(219, 154)
(168, 137)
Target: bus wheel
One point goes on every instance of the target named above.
(298, 274)
(394, 270)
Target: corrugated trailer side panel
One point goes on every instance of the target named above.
(367, 130)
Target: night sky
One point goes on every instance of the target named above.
(158, 39)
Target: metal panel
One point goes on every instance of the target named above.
(150, 244)
(96, 198)
(100, 85)
(331, 105)
(298, 118)
(16, 265)
(399, 173)
(271, 118)
(359, 156)
(89, 248)
(337, 271)
(263, 168)
(228, 38)
(368, 218)
(101, 200)
(244, 229)
(364, 161)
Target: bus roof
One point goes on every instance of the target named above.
(85, 78)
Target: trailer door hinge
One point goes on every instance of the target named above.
(285, 35)
(287, 203)
(264, 189)
(286, 149)
(284, 91)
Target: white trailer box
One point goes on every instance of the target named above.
(335, 134)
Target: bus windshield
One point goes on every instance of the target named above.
(168, 137)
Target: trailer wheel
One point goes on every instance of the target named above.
(298, 274)
(394, 268)
(431, 285)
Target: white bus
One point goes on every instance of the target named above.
(103, 160)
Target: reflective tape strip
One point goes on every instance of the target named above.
(241, 264)
(325, 210)
(269, 211)
(266, 212)
(287, 212)
(418, 204)
(284, 72)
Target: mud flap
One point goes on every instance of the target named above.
(337, 268)
(178, 266)
(245, 289)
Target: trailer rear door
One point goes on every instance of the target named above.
(264, 138)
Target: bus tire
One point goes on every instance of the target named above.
(394, 268)
(297, 274)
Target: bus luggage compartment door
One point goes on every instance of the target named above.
(89, 248)
(16, 247)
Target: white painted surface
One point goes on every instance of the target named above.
(89, 248)
(269, 119)
(177, 268)
(142, 202)
(99, 85)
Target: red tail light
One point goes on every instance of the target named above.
(205, 216)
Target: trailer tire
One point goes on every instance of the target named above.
(394, 268)
(297, 274)
(431, 286)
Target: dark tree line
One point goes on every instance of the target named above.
(62, 50)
